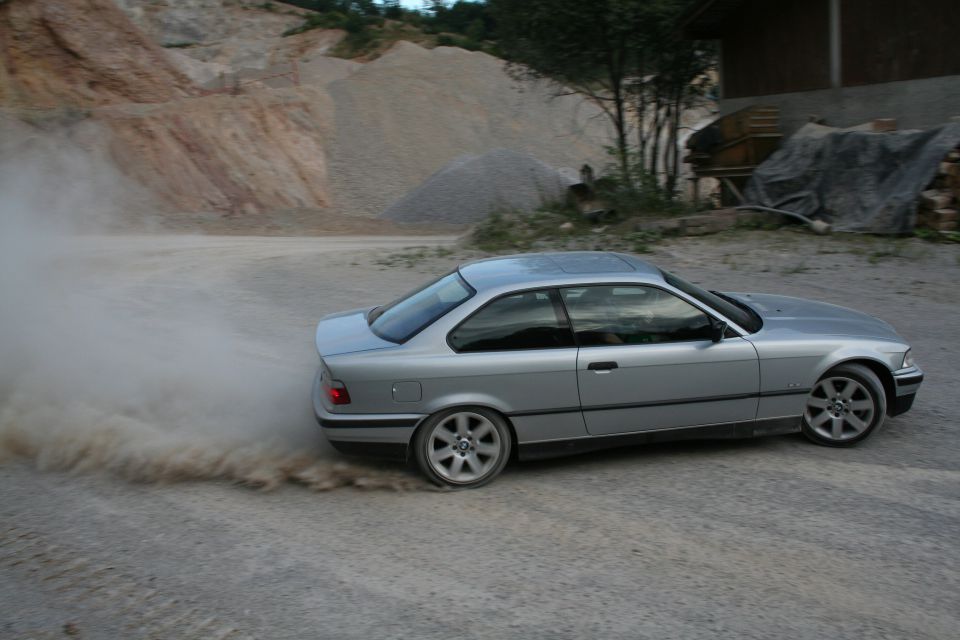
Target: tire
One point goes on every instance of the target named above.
(463, 447)
(845, 406)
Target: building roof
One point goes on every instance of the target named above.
(705, 19)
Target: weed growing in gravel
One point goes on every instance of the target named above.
(557, 228)
(410, 258)
(932, 235)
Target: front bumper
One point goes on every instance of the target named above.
(907, 383)
(381, 435)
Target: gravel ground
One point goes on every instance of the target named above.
(751, 539)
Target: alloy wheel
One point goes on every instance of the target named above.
(839, 409)
(463, 447)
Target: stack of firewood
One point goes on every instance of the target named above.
(939, 203)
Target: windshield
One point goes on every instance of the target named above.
(735, 310)
(406, 317)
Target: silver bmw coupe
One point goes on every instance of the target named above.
(549, 354)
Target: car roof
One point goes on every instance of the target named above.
(544, 269)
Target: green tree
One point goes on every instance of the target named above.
(584, 46)
(627, 57)
(671, 75)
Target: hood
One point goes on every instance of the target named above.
(809, 316)
(347, 332)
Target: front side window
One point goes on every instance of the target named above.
(621, 315)
(529, 320)
(402, 319)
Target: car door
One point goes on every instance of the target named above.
(647, 362)
(516, 353)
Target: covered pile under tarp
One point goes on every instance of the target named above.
(854, 179)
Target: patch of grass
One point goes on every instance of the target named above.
(325, 20)
(369, 36)
(464, 42)
(932, 235)
(640, 241)
(410, 258)
(560, 228)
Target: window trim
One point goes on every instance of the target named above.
(713, 317)
(559, 310)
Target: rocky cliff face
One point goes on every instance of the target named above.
(248, 122)
(232, 154)
(82, 53)
(194, 151)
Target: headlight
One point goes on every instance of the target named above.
(907, 360)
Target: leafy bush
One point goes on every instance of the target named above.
(327, 20)
(556, 226)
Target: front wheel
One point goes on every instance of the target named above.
(845, 406)
(463, 447)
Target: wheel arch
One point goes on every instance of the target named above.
(879, 368)
(514, 443)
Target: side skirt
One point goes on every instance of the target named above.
(734, 430)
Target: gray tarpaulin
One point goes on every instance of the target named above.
(856, 180)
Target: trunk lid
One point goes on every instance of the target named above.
(347, 332)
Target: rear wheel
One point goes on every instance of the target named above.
(463, 447)
(845, 406)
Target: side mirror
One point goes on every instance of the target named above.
(717, 330)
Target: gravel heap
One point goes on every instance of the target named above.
(472, 187)
(401, 118)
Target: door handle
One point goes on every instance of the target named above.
(602, 366)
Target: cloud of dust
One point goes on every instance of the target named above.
(93, 376)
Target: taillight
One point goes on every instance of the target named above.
(337, 392)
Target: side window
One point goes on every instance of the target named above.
(606, 315)
(528, 320)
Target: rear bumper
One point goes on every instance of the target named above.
(385, 435)
(907, 383)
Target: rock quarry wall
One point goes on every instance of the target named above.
(244, 121)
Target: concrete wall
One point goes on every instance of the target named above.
(916, 104)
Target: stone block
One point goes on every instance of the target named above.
(950, 168)
(944, 215)
(936, 198)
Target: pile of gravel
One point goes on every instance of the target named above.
(472, 187)
(401, 118)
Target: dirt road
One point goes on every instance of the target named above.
(755, 539)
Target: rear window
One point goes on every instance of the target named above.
(406, 317)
